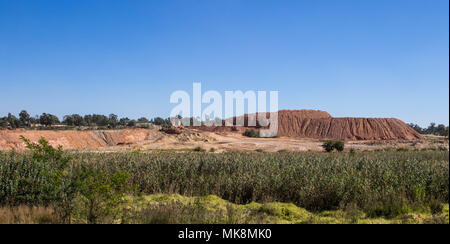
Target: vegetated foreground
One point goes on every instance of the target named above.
(396, 187)
(178, 209)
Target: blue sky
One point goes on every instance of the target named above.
(348, 57)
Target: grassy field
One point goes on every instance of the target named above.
(177, 209)
(307, 187)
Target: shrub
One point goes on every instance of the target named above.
(250, 133)
(65, 185)
(352, 152)
(328, 146)
(388, 211)
(199, 149)
(402, 149)
(44, 152)
(436, 207)
(101, 195)
(339, 146)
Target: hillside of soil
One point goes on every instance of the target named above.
(348, 129)
(72, 139)
(315, 124)
(292, 127)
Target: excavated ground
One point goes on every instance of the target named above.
(299, 130)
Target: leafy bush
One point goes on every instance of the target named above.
(199, 149)
(402, 149)
(352, 152)
(101, 195)
(329, 146)
(339, 146)
(68, 187)
(250, 133)
(44, 152)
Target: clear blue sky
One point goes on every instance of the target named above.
(350, 58)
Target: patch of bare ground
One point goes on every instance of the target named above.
(298, 130)
(153, 139)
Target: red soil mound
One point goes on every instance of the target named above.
(71, 139)
(298, 124)
(348, 129)
(317, 124)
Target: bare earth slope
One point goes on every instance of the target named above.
(316, 124)
(348, 129)
(294, 128)
(72, 139)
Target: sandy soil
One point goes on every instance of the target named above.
(153, 139)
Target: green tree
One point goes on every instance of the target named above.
(416, 127)
(100, 120)
(88, 119)
(3, 122)
(338, 145)
(124, 121)
(13, 121)
(142, 120)
(131, 123)
(43, 151)
(328, 146)
(68, 120)
(158, 121)
(64, 184)
(74, 120)
(432, 128)
(113, 120)
(442, 130)
(48, 119)
(25, 118)
(101, 196)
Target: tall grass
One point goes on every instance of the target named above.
(316, 181)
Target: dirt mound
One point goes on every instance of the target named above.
(316, 124)
(71, 139)
(347, 129)
(283, 115)
(308, 124)
(305, 113)
(94, 139)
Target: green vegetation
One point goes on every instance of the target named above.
(178, 209)
(329, 146)
(440, 129)
(250, 133)
(75, 121)
(53, 178)
(199, 149)
(96, 187)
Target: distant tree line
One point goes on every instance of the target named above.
(91, 120)
(433, 129)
